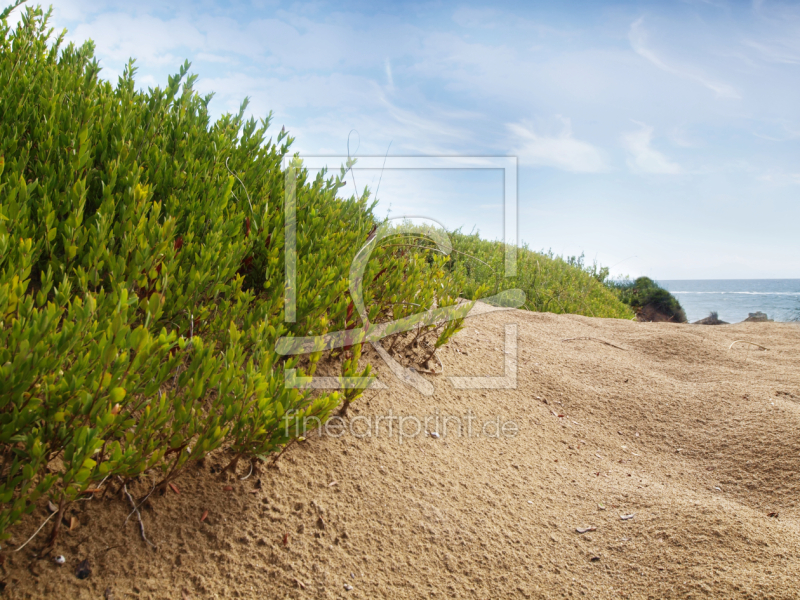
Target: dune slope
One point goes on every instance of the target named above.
(696, 439)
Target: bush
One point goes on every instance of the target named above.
(645, 294)
(551, 283)
(142, 277)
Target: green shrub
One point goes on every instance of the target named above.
(646, 293)
(551, 283)
(142, 277)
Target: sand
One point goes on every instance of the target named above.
(697, 440)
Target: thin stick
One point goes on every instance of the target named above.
(102, 482)
(285, 448)
(138, 515)
(596, 340)
(255, 224)
(250, 473)
(37, 531)
(140, 504)
(474, 258)
(350, 166)
(437, 250)
(380, 178)
(440, 362)
(745, 342)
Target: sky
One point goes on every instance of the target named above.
(656, 138)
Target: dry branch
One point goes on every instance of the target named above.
(37, 531)
(745, 342)
(138, 515)
(596, 340)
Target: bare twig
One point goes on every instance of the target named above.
(101, 483)
(405, 304)
(431, 248)
(140, 504)
(379, 182)
(744, 342)
(284, 449)
(342, 413)
(440, 362)
(596, 340)
(474, 258)
(250, 473)
(138, 515)
(253, 212)
(37, 531)
(350, 165)
(433, 350)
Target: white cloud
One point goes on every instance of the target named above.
(562, 151)
(148, 39)
(644, 159)
(73, 10)
(638, 39)
(341, 91)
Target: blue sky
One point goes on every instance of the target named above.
(659, 138)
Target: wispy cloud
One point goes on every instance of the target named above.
(775, 53)
(643, 158)
(431, 133)
(780, 178)
(389, 78)
(562, 151)
(484, 81)
(638, 39)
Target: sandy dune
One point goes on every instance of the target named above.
(699, 442)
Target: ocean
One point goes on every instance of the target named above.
(733, 299)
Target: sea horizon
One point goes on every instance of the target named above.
(734, 299)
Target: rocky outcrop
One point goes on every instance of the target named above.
(712, 319)
(757, 317)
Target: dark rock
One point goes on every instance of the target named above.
(758, 317)
(83, 569)
(712, 319)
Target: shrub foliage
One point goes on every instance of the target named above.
(142, 277)
(551, 283)
(646, 293)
